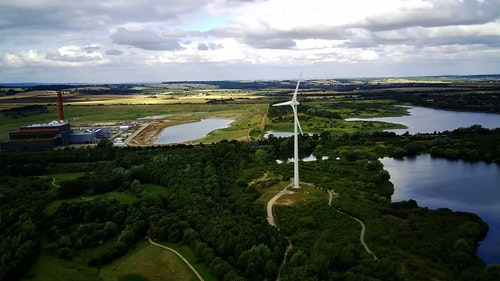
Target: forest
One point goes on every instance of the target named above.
(211, 198)
(78, 210)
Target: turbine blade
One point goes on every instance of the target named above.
(297, 87)
(283, 103)
(298, 124)
(297, 118)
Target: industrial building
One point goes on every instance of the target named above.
(50, 135)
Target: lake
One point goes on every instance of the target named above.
(428, 120)
(441, 183)
(454, 184)
(191, 131)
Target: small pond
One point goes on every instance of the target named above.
(191, 131)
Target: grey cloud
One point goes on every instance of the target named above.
(264, 39)
(441, 14)
(209, 46)
(245, 0)
(56, 56)
(271, 43)
(144, 39)
(420, 36)
(91, 49)
(89, 15)
(408, 26)
(114, 52)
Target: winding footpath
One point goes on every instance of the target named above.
(179, 255)
(270, 220)
(270, 215)
(54, 182)
(363, 227)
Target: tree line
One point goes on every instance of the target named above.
(210, 204)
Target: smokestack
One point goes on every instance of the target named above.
(60, 106)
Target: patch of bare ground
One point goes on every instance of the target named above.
(149, 133)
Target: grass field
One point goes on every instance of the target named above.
(147, 262)
(247, 117)
(64, 176)
(187, 253)
(155, 189)
(176, 107)
(50, 268)
(122, 197)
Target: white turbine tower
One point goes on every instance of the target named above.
(293, 103)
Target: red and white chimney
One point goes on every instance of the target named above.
(60, 106)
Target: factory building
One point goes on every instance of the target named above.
(38, 136)
(86, 137)
(50, 135)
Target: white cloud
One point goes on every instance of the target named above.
(230, 36)
(74, 54)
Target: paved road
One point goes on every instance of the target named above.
(179, 255)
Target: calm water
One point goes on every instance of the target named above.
(278, 134)
(427, 120)
(191, 131)
(454, 184)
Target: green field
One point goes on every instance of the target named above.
(49, 268)
(122, 197)
(188, 254)
(155, 189)
(251, 119)
(147, 262)
(247, 116)
(58, 178)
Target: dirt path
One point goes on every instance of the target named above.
(331, 193)
(262, 126)
(54, 182)
(270, 215)
(270, 220)
(179, 255)
(363, 227)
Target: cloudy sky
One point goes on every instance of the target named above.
(108, 41)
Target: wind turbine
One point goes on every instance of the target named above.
(293, 103)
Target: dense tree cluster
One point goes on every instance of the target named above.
(24, 111)
(22, 200)
(209, 203)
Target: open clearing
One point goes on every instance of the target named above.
(149, 262)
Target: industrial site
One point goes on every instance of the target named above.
(60, 134)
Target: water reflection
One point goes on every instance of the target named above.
(277, 134)
(455, 184)
(428, 120)
(309, 158)
(191, 131)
